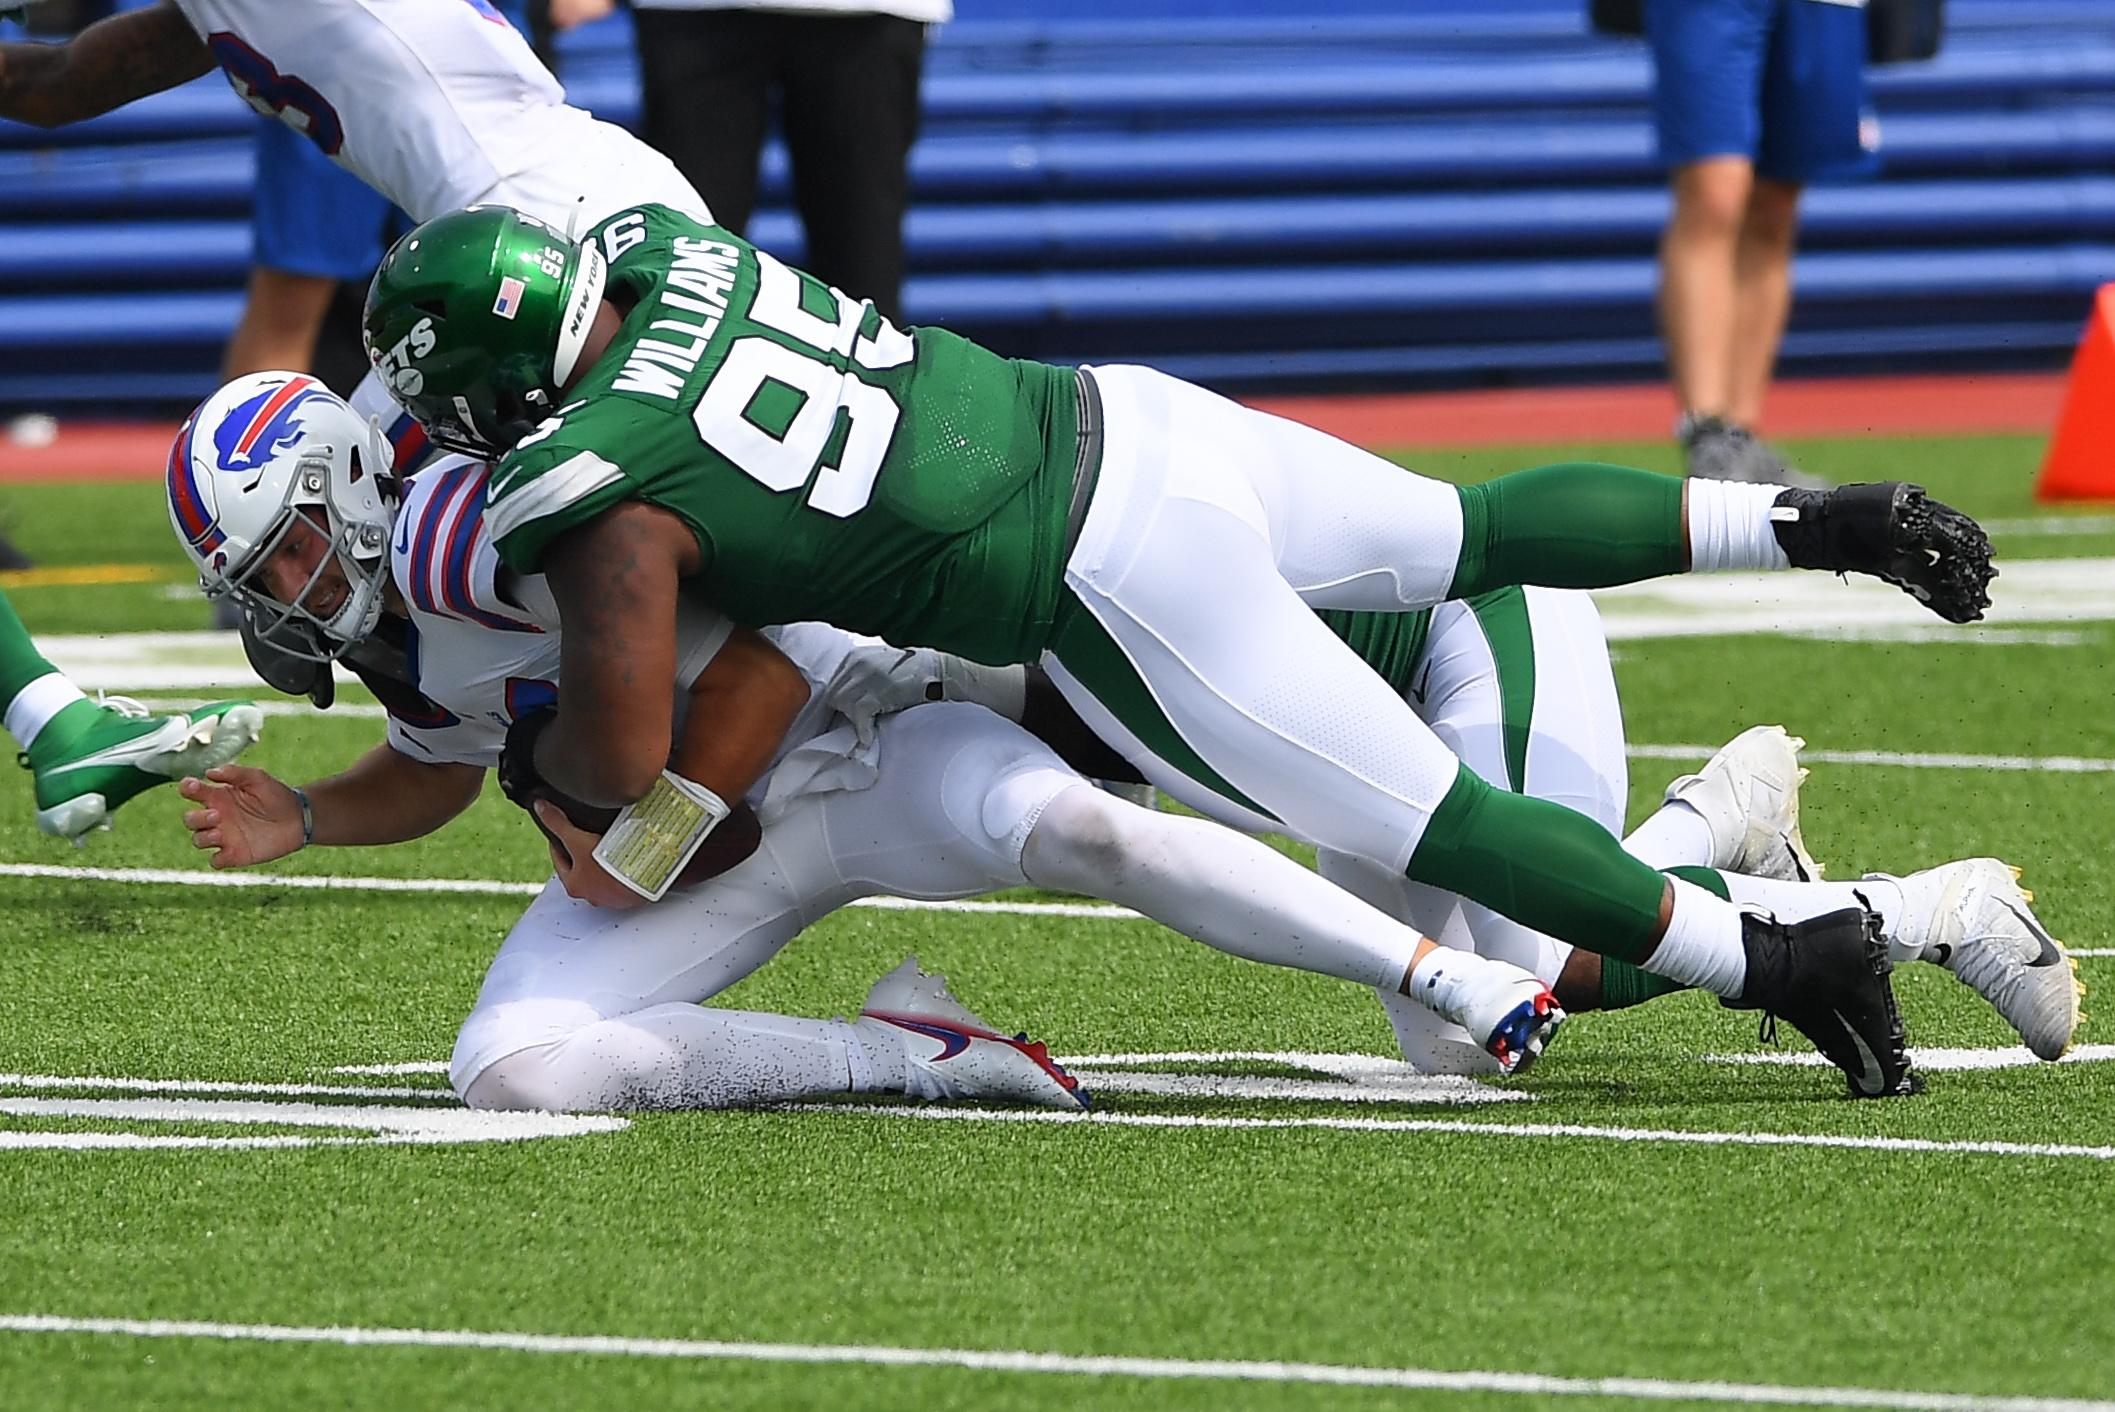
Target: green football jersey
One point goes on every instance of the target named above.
(834, 468)
(1390, 643)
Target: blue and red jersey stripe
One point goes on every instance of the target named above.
(444, 552)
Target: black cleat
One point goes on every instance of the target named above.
(1895, 532)
(1829, 978)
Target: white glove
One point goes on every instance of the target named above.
(875, 680)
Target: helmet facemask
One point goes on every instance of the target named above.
(336, 479)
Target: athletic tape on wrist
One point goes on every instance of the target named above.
(654, 837)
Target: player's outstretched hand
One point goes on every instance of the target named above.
(245, 816)
(573, 855)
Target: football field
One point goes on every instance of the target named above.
(232, 1175)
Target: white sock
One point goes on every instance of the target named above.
(1676, 836)
(34, 706)
(1702, 945)
(1729, 526)
(1225, 889)
(1439, 981)
(1797, 902)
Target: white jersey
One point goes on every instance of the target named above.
(484, 646)
(436, 104)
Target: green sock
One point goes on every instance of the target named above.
(1542, 865)
(1580, 524)
(20, 662)
(1624, 985)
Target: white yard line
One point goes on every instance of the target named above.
(99, 1081)
(2037, 591)
(1466, 1128)
(1058, 1364)
(493, 887)
(1937, 1060)
(1907, 760)
(2052, 524)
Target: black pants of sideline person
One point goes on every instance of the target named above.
(847, 90)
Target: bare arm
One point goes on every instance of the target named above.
(615, 581)
(105, 66)
(740, 708)
(247, 816)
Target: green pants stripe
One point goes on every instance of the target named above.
(1085, 649)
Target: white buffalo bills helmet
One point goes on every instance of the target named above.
(264, 451)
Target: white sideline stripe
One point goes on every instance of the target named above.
(2040, 592)
(416, 1066)
(493, 887)
(1914, 760)
(1464, 1127)
(2053, 524)
(210, 1086)
(2017, 1057)
(419, 1124)
(1025, 1361)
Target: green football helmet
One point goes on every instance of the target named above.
(477, 318)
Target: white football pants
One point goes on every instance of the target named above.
(1214, 532)
(591, 1009)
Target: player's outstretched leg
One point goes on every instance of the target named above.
(1828, 977)
(1243, 897)
(1747, 799)
(93, 756)
(1594, 526)
(952, 1054)
(89, 758)
(1973, 918)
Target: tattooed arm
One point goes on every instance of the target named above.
(105, 66)
(615, 580)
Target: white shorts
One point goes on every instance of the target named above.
(958, 792)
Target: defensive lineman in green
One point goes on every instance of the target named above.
(1159, 549)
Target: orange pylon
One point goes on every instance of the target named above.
(2081, 460)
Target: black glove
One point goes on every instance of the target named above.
(523, 785)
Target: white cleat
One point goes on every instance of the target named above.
(1507, 1011)
(1973, 918)
(1749, 797)
(954, 1054)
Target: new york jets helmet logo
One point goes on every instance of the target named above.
(403, 376)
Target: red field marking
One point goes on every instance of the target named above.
(1895, 406)
(1950, 405)
(86, 451)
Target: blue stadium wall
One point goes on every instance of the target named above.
(1411, 193)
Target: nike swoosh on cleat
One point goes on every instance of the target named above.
(1873, 1080)
(2050, 955)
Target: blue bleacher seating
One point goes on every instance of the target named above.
(1256, 193)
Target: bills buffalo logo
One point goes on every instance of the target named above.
(256, 430)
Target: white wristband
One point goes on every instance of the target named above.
(654, 837)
